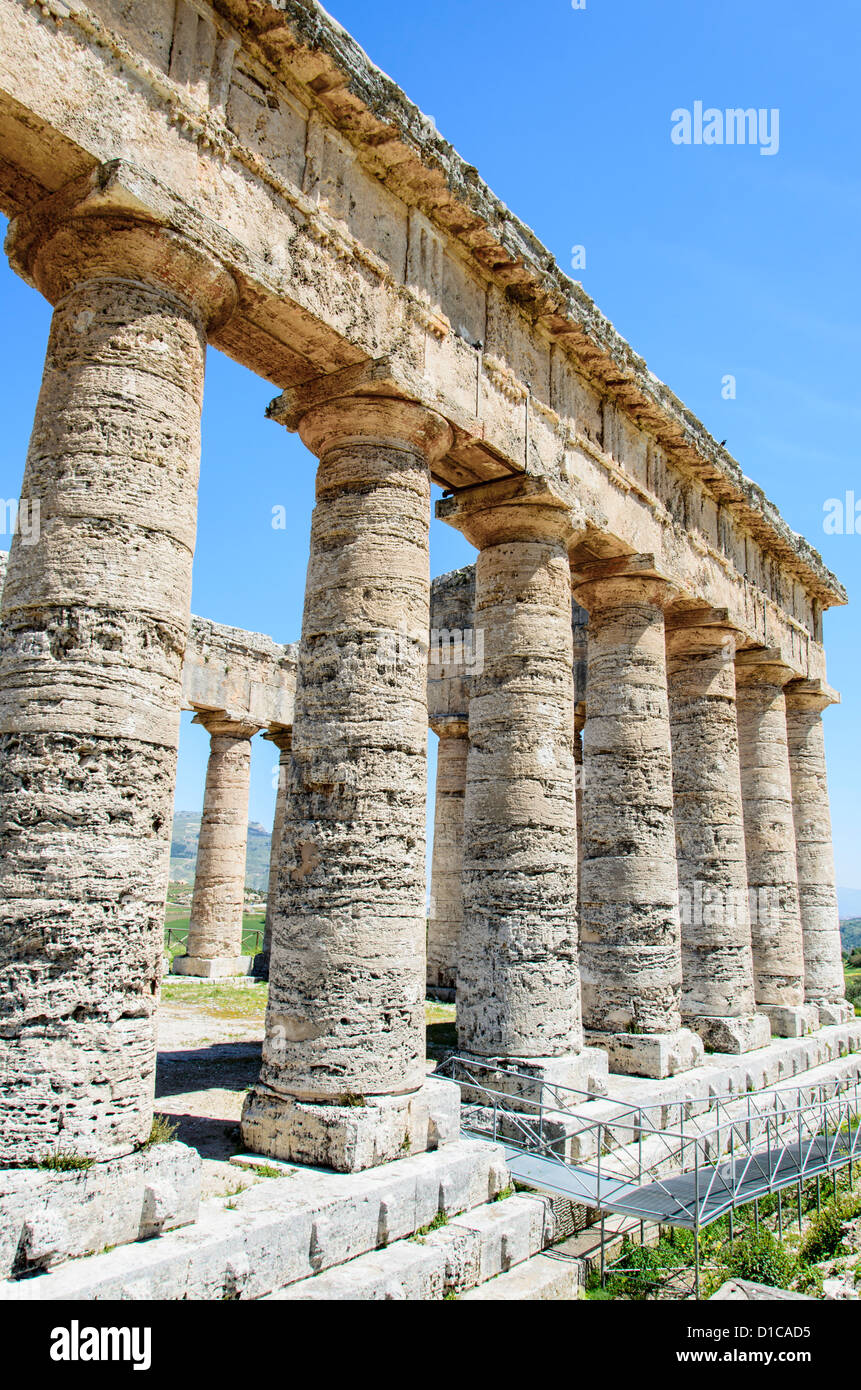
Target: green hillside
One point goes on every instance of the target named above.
(850, 934)
(183, 852)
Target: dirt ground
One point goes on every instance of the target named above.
(210, 1040)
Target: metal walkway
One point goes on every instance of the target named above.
(681, 1163)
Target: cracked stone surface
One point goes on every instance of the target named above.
(772, 872)
(717, 960)
(95, 619)
(347, 974)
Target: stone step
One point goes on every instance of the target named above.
(465, 1252)
(545, 1278)
(283, 1230)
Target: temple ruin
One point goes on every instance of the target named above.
(633, 881)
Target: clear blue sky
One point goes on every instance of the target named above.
(711, 260)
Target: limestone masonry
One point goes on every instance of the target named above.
(632, 860)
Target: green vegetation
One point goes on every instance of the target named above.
(850, 934)
(65, 1162)
(439, 1221)
(218, 998)
(176, 931)
(758, 1252)
(441, 1028)
(265, 1170)
(163, 1131)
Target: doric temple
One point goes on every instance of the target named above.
(633, 878)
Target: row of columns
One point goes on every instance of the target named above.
(708, 912)
(95, 620)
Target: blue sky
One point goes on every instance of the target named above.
(710, 260)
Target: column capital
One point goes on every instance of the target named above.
(763, 667)
(451, 726)
(700, 631)
(516, 508)
(108, 225)
(281, 736)
(219, 724)
(374, 402)
(639, 577)
(813, 695)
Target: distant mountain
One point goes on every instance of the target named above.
(183, 852)
(849, 900)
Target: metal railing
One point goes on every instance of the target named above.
(179, 935)
(682, 1163)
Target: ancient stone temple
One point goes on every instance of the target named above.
(632, 874)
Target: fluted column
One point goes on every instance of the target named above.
(214, 946)
(518, 982)
(446, 897)
(95, 620)
(769, 828)
(630, 937)
(283, 740)
(717, 961)
(824, 981)
(343, 1071)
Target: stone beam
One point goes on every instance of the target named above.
(351, 229)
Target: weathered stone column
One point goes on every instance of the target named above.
(446, 901)
(343, 1077)
(630, 939)
(283, 740)
(95, 620)
(518, 988)
(769, 829)
(214, 947)
(717, 961)
(579, 726)
(824, 981)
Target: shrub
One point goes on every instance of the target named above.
(761, 1257)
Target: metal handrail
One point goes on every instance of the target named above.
(779, 1116)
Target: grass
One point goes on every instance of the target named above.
(220, 999)
(438, 1222)
(65, 1162)
(177, 919)
(163, 1131)
(759, 1254)
(441, 1028)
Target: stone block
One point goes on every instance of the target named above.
(352, 1137)
(792, 1021)
(733, 1035)
(654, 1055)
(47, 1217)
(213, 968)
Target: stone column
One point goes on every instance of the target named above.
(518, 991)
(769, 829)
(283, 740)
(95, 621)
(446, 901)
(343, 1077)
(824, 981)
(630, 938)
(214, 946)
(579, 726)
(717, 961)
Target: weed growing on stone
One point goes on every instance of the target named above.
(163, 1131)
(63, 1161)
